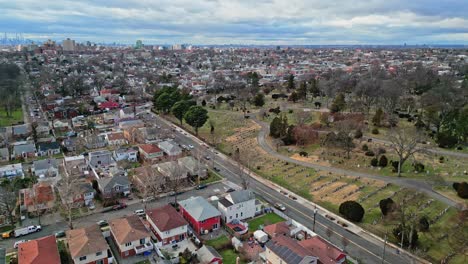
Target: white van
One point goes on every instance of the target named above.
(139, 212)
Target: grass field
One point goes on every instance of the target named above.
(17, 117)
(267, 219)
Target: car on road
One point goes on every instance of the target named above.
(230, 190)
(139, 212)
(102, 223)
(201, 186)
(207, 157)
(216, 169)
(119, 206)
(19, 242)
(280, 206)
(60, 234)
(191, 146)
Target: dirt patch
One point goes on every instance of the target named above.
(311, 158)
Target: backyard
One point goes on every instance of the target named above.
(267, 219)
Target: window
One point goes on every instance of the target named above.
(82, 258)
(237, 215)
(100, 261)
(241, 214)
(99, 253)
(142, 241)
(128, 244)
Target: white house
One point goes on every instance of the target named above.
(170, 148)
(167, 225)
(12, 170)
(129, 154)
(131, 236)
(238, 205)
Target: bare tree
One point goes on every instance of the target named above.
(405, 144)
(239, 159)
(8, 198)
(154, 183)
(176, 179)
(69, 190)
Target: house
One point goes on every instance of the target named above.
(88, 246)
(108, 105)
(201, 215)
(42, 250)
(326, 252)
(4, 154)
(70, 144)
(172, 171)
(170, 148)
(45, 168)
(146, 135)
(116, 139)
(100, 158)
(75, 166)
(48, 148)
(12, 170)
(238, 205)
(129, 154)
(40, 197)
(42, 129)
(150, 152)
(95, 141)
(147, 175)
(26, 150)
(193, 167)
(167, 224)
(126, 113)
(283, 249)
(209, 255)
(61, 125)
(114, 186)
(20, 131)
(82, 193)
(130, 236)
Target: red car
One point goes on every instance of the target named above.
(119, 206)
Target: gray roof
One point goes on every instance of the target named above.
(207, 253)
(26, 148)
(109, 182)
(199, 208)
(20, 130)
(225, 202)
(4, 152)
(44, 164)
(241, 196)
(169, 146)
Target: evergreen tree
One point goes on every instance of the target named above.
(338, 104)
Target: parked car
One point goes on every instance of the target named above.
(60, 234)
(19, 242)
(201, 186)
(207, 157)
(103, 223)
(191, 146)
(119, 206)
(216, 169)
(280, 206)
(139, 212)
(230, 190)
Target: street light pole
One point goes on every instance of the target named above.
(384, 245)
(315, 213)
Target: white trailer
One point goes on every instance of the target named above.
(27, 230)
(261, 236)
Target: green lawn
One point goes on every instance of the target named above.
(267, 219)
(217, 241)
(143, 262)
(212, 177)
(229, 256)
(17, 116)
(6, 228)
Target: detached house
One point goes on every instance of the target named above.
(45, 168)
(167, 224)
(43, 250)
(75, 166)
(131, 236)
(26, 150)
(88, 246)
(150, 152)
(238, 205)
(129, 154)
(170, 148)
(201, 215)
(40, 197)
(99, 159)
(12, 170)
(114, 186)
(48, 148)
(116, 139)
(283, 249)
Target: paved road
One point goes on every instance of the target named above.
(419, 185)
(363, 246)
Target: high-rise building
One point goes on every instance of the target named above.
(177, 47)
(68, 45)
(139, 44)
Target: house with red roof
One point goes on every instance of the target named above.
(150, 152)
(40, 197)
(130, 236)
(167, 224)
(326, 252)
(43, 250)
(109, 105)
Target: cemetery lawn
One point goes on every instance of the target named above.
(15, 118)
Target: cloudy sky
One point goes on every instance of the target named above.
(240, 21)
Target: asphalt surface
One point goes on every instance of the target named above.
(419, 185)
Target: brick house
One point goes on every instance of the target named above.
(130, 236)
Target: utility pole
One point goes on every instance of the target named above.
(384, 245)
(315, 213)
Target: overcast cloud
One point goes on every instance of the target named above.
(241, 21)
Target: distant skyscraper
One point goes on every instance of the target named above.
(68, 45)
(139, 44)
(176, 47)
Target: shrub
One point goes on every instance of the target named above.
(369, 153)
(386, 206)
(358, 134)
(303, 154)
(375, 131)
(383, 161)
(291, 111)
(418, 166)
(381, 151)
(446, 140)
(365, 147)
(352, 211)
(374, 162)
(462, 190)
(395, 165)
(455, 185)
(423, 224)
(441, 159)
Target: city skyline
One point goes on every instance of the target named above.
(241, 22)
